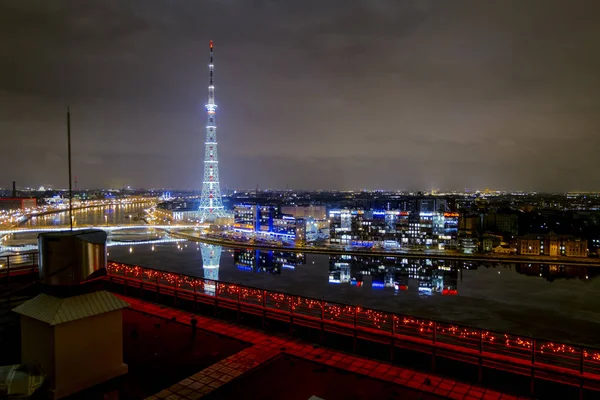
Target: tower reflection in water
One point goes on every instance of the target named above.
(211, 256)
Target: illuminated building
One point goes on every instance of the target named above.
(278, 223)
(393, 228)
(390, 220)
(552, 245)
(245, 217)
(300, 230)
(594, 245)
(178, 210)
(575, 248)
(346, 220)
(211, 202)
(467, 245)
(490, 242)
(266, 221)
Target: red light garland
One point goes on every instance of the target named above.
(346, 314)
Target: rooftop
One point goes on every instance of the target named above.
(55, 310)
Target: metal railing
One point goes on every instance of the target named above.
(498, 350)
(17, 264)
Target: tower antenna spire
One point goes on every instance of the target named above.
(211, 202)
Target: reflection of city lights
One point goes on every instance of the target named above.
(152, 248)
(131, 249)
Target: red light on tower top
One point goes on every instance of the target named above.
(211, 44)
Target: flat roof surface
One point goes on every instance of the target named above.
(160, 353)
(292, 378)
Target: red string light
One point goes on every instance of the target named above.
(347, 314)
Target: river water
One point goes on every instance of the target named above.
(546, 301)
(98, 216)
(549, 301)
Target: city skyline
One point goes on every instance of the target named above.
(413, 96)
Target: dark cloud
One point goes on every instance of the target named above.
(312, 94)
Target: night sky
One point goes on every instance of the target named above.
(347, 94)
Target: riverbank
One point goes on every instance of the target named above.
(35, 215)
(437, 255)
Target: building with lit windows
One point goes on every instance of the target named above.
(467, 245)
(552, 245)
(393, 228)
(267, 221)
(245, 217)
(177, 210)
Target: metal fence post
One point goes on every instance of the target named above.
(581, 370)
(322, 335)
(264, 307)
(480, 355)
(581, 360)
(141, 283)
(216, 298)
(433, 352)
(239, 304)
(195, 298)
(393, 335)
(291, 307)
(157, 286)
(354, 344)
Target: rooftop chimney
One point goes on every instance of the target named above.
(70, 258)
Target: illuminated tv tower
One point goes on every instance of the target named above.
(211, 203)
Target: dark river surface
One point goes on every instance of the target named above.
(545, 301)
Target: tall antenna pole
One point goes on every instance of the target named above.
(211, 201)
(69, 156)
